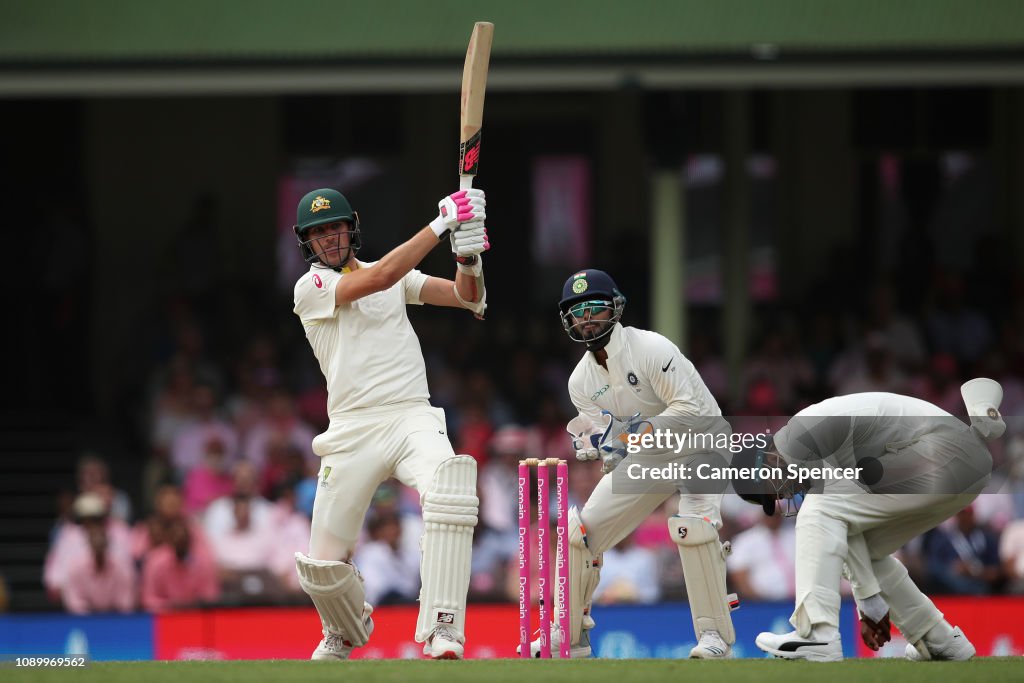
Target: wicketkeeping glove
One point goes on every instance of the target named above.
(585, 438)
(615, 440)
(464, 206)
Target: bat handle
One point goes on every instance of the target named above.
(465, 182)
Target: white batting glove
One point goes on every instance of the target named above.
(469, 240)
(584, 437)
(464, 206)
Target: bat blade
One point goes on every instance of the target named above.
(474, 85)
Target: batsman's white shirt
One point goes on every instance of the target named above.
(367, 349)
(646, 374)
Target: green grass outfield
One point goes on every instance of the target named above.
(985, 670)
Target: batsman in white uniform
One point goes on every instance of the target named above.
(632, 372)
(381, 422)
(919, 465)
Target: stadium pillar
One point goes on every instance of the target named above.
(736, 310)
(668, 257)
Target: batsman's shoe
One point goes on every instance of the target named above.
(711, 646)
(335, 646)
(956, 649)
(792, 646)
(580, 650)
(444, 643)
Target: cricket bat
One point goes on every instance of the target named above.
(471, 113)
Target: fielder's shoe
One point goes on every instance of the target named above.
(580, 650)
(335, 646)
(957, 648)
(792, 646)
(444, 643)
(711, 646)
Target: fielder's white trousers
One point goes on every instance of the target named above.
(826, 527)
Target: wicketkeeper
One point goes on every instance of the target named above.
(631, 372)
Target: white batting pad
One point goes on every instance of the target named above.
(703, 558)
(584, 575)
(449, 515)
(337, 591)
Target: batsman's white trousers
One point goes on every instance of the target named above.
(408, 444)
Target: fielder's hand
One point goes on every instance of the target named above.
(615, 441)
(585, 438)
(469, 240)
(875, 634)
(464, 206)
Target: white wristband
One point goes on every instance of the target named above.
(439, 227)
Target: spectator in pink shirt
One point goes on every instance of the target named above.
(178, 573)
(209, 480)
(279, 426)
(98, 582)
(189, 445)
(155, 530)
(71, 543)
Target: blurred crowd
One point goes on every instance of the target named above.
(227, 488)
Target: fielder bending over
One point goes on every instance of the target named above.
(381, 422)
(920, 465)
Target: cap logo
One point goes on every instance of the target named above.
(993, 413)
(580, 286)
(320, 204)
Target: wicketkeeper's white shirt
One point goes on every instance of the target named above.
(646, 374)
(367, 349)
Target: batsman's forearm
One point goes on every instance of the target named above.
(466, 284)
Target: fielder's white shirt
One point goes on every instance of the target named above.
(646, 374)
(847, 429)
(367, 349)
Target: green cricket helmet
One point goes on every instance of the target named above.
(321, 207)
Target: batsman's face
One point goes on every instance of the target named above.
(330, 242)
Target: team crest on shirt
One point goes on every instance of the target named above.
(632, 379)
(327, 473)
(319, 204)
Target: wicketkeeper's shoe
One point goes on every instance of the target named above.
(711, 646)
(444, 643)
(792, 646)
(335, 646)
(580, 650)
(956, 648)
